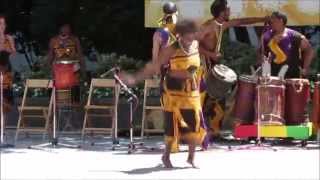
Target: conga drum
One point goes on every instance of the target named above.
(297, 96)
(270, 101)
(245, 97)
(64, 74)
(219, 81)
(316, 105)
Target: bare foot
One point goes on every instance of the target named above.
(190, 161)
(166, 162)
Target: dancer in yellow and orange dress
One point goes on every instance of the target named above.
(183, 112)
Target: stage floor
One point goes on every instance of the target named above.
(100, 162)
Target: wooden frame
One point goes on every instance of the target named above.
(44, 111)
(149, 84)
(102, 83)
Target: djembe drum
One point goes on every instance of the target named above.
(297, 96)
(65, 76)
(219, 81)
(270, 101)
(244, 104)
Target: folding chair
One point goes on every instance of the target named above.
(108, 110)
(37, 111)
(148, 85)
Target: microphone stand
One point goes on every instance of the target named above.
(132, 146)
(2, 143)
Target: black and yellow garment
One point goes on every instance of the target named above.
(213, 110)
(5, 68)
(65, 49)
(181, 99)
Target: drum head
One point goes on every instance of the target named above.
(271, 80)
(297, 80)
(248, 78)
(224, 73)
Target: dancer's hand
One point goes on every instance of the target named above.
(127, 78)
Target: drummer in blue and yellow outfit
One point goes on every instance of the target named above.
(181, 97)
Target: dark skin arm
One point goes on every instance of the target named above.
(201, 35)
(151, 67)
(206, 29)
(156, 46)
(213, 56)
(307, 55)
(243, 21)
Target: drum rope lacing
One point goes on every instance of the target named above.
(298, 83)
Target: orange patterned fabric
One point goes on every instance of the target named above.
(65, 49)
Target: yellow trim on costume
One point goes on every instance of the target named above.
(180, 62)
(280, 55)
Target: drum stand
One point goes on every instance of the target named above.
(258, 144)
(54, 140)
(2, 143)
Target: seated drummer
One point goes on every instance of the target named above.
(286, 46)
(66, 47)
(7, 48)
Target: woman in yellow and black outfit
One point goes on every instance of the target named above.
(181, 98)
(7, 48)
